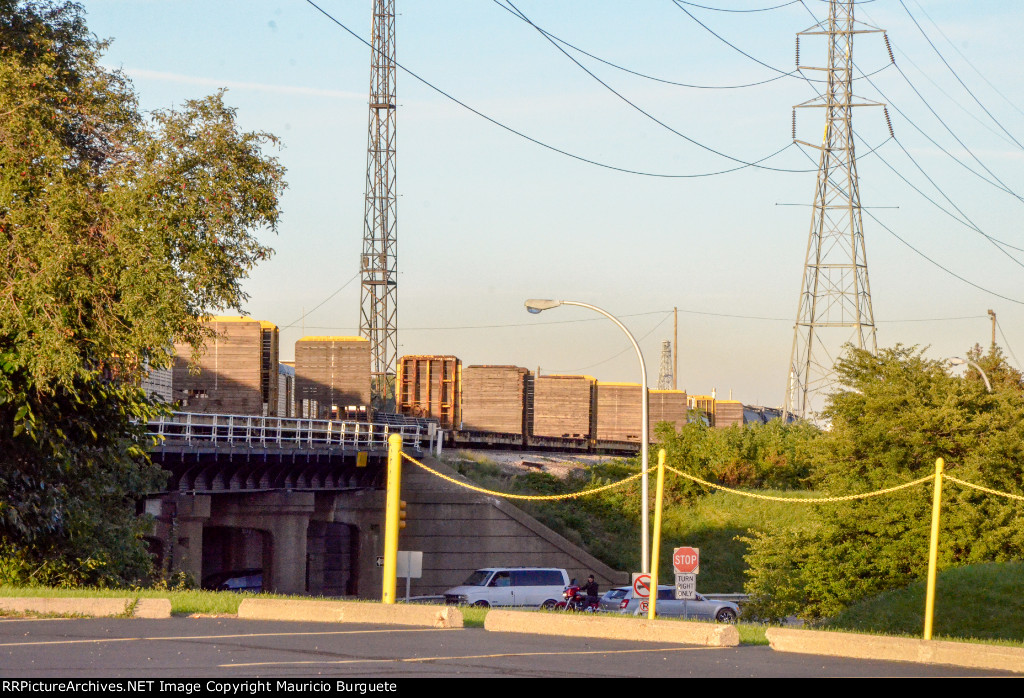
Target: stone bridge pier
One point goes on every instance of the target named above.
(322, 543)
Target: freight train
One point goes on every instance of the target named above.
(496, 406)
(510, 406)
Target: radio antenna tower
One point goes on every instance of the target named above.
(378, 318)
(835, 297)
(665, 370)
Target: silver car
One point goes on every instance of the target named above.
(701, 608)
(611, 599)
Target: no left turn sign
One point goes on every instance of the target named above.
(641, 586)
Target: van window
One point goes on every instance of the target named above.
(478, 578)
(501, 579)
(536, 578)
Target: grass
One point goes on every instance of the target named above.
(977, 602)
(187, 601)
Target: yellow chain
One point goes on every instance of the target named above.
(983, 489)
(810, 500)
(533, 497)
(705, 483)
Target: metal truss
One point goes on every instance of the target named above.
(378, 319)
(835, 295)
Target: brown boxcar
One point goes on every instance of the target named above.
(619, 416)
(667, 406)
(727, 413)
(430, 386)
(332, 376)
(564, 407)
(494, 399)
(237, 369)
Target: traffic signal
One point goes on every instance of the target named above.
(401, 514)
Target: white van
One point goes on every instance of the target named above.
(510, 586)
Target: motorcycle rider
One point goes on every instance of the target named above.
(590, 588)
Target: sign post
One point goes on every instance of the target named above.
(409, 564)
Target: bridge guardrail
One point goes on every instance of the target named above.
(283, 432)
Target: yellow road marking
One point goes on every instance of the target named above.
(473, 656)
(212, 637)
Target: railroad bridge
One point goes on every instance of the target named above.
(302, 500)
(298, 499)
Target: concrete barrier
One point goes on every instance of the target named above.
(833, 644)
(351, 612)
(152, 608)
(613, 628)
(92, 607)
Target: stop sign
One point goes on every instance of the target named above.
(686, 560)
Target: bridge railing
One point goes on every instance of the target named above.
(281, 432)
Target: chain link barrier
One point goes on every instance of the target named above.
(802, 500)
(528, 497)
(986, 490)
(710, 485)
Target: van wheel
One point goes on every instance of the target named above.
(482, 604)
(549, 604)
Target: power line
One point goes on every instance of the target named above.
(725, 9)
(646, 113)
(946, 63)
(922, 254)
(730, 316)
(644, 75)
(533, 140)
(679, 4)
(303, 316)
(940, 266)
(1001, 185)
(627, 348)
(966, 59)
(1008, 347)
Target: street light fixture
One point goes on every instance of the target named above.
(536, 305)
(957, 361)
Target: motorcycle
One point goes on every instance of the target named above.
(575, 600)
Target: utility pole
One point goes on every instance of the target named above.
(835, 296)
(992, 314)
(665, 377)
(675, 352)
(378, 318)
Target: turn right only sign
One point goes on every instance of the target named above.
(686, 560)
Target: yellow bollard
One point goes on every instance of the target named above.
(391, 509)
(933, 551)
(656, 548)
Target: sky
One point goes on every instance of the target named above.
(488, 218)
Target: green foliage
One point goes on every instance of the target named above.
(118, 233)
(977, 601)
(773, 455)
(894, 414)
(607, 524)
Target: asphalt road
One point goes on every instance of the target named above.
(201, 648)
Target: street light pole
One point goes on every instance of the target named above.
(957, 361)
(536, 305)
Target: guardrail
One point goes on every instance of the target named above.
(193, 428)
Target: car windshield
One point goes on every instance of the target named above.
(477, 579)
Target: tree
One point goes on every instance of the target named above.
(743, 455)
(893, 415)
(119, 232)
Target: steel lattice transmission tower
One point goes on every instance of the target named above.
(665, 370)
(835, 296)
(378, 318)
